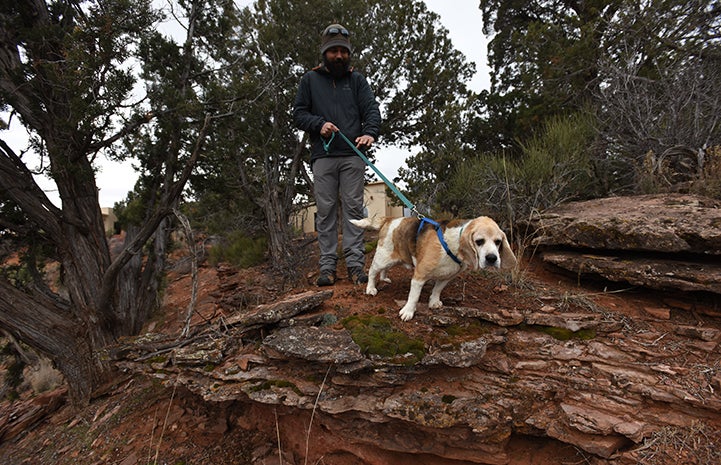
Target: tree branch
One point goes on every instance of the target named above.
(17, 180)
(165, 208)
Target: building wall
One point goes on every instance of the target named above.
(375, 200)
(109, 219)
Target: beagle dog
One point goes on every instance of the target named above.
(471, 244)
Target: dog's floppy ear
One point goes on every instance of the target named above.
(508, 259)
(466, 249)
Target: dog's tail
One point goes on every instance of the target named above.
(374, 223)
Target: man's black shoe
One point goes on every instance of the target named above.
(326, 278)
(357, 276)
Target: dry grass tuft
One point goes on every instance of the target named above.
(42, 376)
(696, 444)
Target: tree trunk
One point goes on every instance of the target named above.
(72, 106)
(138, 283)
(278, 228)
(278, 203)
(46, 323)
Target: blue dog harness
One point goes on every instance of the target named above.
(439, 232)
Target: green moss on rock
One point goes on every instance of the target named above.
(376, 336)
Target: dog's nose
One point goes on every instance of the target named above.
(491, 258)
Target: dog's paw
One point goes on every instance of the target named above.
(371, 290)
(406, 313)
(386, 279)
(435, 304)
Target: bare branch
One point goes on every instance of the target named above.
(18, 182)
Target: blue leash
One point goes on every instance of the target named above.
(395, 190)
(424, 220)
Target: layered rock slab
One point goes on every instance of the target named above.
(605, 389)
(670, 241)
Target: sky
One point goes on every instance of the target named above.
(461, 18)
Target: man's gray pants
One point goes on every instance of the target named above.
(334, 178)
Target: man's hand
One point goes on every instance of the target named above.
(364, 141)
(328, 129)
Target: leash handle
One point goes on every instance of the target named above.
(326, 145)
(377, 171)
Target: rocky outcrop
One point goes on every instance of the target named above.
(21, 416)
(458, 384)
(670, 241)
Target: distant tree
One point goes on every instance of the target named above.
(544, 58)
(648, 70)
(428, 172)
(66, 73)
(544, 63)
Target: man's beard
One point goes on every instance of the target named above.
(337, 68)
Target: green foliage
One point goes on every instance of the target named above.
(428, 170)
(643, 68)
(544, 56)
(131, 211)
(17, 275)
(555, 165)
(216, 214)
(375, 335)
(239, 250)
(370, 246)
(13, 376)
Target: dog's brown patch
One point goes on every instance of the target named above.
(428, 253)
(403, 239)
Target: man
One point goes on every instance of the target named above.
(333, 97)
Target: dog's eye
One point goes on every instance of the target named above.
(480, 241)
(498, 242)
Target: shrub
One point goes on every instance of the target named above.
(43, 376)
(13, 378)
(681, 169)
(240, 250)
(710, 184)
(555, 166)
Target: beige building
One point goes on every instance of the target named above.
(109, 219)
(375, 200)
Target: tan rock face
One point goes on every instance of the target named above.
(657, 241)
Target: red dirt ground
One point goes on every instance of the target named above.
(139, 421)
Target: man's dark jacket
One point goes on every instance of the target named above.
(347, 102)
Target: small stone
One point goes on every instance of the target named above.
(658, 312)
